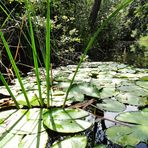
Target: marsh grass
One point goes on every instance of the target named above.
(122, 5)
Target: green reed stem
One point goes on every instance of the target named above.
(15, 68)
(122, 5)
(34, 52)
(48, 65)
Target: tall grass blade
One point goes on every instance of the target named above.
(8, 16)
(9, 90)
(122, 5)
(3, 9)
(48, 65)
(34, 51)
(15, 68)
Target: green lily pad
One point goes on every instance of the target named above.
(24, 141)
(133, 88)
(23, 122)
(130, 135)
(108, 92)
(67, 126)
(32, 96)
(86, 89)
(62, 114)
(135, 117)
(111, 105)
(100, 146)
(66, 120)
(72, 142)
(143, 84)
(122, 135)
(132, 99)
(144, 78)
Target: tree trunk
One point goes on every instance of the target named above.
(94, 13)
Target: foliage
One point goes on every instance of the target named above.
(133, 26)
(60, 119)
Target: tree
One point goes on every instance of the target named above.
(94, 13)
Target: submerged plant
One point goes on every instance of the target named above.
(69, 118)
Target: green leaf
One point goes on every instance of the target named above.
(100, 146)
(144, 78)
(132, 134)
(108, 92)
(111, 105)
(86, 89)
(23, 121)
(122, 135)
(72, 142)
(135, 117)
(66, 120)
(33, 98)
(143, 84)
(132, 99)
(62, 114)
(67, 126)
(24, 140)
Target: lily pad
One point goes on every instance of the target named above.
(23, 122)
(66, 120)
(72, 142)
(22, 128)
(108, 92)
(111, 105)
(62, 114)
(144, 78)
(67, 126)
(122, 135)
(24, 141)
(135, 117)
(86, 89)
(132, 99)
(132, 134)
(143, 84)
(33, 98)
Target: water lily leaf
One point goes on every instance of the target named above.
(108, 92)
(132, 88)
(34, 140)
(129, 88)
(132, 99)
(10, 140)
(141, 132)
(33, 98)
(144, 78)
(62, 114)
(135, 117)
(143, 84)
(87, 89)
(66, 120)
(23, 122)
(111, 105)
(72, 142)
(125, 135)
(24, 141)
(67, 126)
(145, 109)
(122, 135)
(100, 146)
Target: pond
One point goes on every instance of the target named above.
(107, 107)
